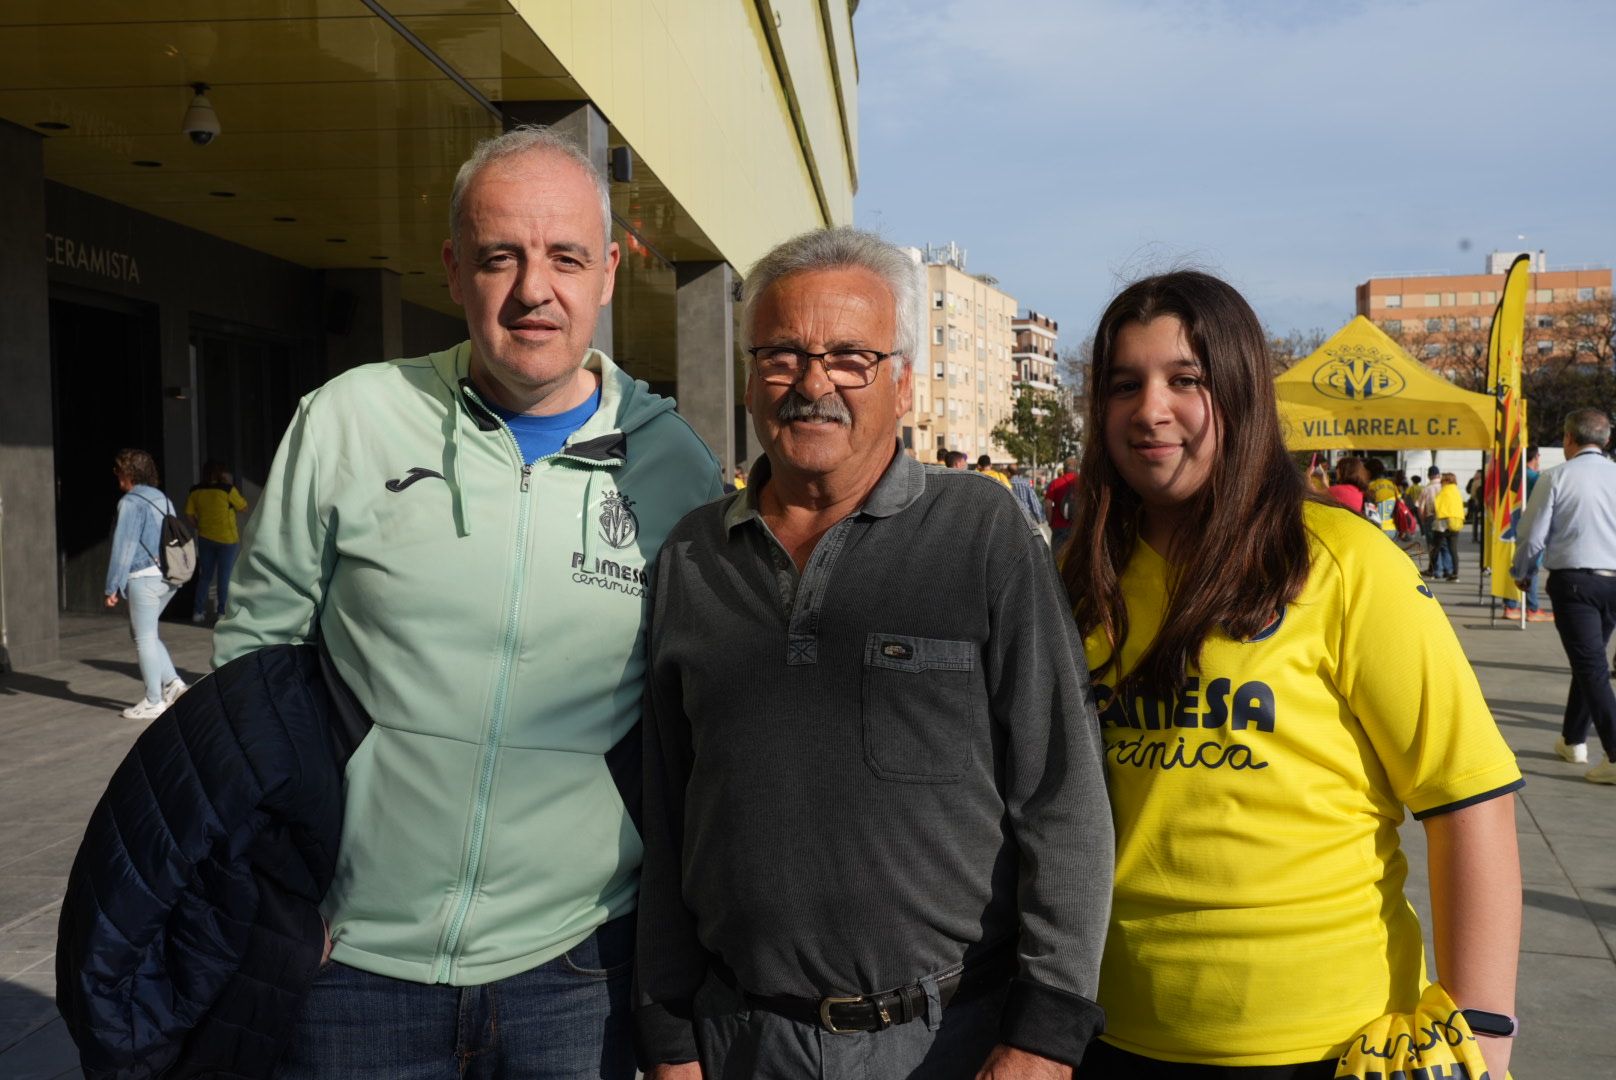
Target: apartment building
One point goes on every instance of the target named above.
(1034, 354)
(969, 384)
(1444, 319)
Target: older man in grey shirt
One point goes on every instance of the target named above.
(1571, 521)
(877, 837)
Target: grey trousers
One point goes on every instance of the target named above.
(740, 1043)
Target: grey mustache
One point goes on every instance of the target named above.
(796, 407)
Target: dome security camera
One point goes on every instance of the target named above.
(201, 123)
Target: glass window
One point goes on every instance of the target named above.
(1544, 346)
(1447, 299)
(937, 335)
(1394, 326)
(1585, 293)
(1433, 299)
(1433, 350)
(1489, 297)
(1545, 322)
(1433, 324)
(1394, 300)
(937, 300)
(1470, 298)
(1475, 322)
(1545, 296)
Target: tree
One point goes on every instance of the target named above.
(1284, 352)
(1040, 429)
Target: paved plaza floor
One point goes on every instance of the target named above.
(61, 736)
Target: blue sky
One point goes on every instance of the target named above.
(1295, 149)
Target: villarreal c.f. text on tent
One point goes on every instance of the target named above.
(1361, 391)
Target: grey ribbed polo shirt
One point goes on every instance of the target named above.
(870, 772)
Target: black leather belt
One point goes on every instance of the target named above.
(850, 1014)
(1586, 570)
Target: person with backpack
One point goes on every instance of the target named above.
(135, 571)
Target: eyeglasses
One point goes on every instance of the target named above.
(780, 365)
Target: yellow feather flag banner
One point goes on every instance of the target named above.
(1506, 479)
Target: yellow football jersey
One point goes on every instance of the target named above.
(1259, 916)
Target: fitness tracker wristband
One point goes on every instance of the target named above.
(1498, 1025)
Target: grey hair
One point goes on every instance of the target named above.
(525, 139)
(1588, 427)
(839, 248)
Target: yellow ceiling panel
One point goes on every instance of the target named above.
(233, 52)
(334, 127)
(487, 46)
(265, 154)
(158, 109)
(54, 12)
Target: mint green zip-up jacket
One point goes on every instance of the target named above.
(491, 618)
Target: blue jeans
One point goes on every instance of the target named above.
(1443, 555)
(1532, 601)
(564, 1020)
(213, 561)
(148, 596)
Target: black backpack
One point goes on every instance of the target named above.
(176, 555)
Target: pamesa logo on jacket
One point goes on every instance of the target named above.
(618, 525)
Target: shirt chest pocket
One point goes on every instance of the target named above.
(922, 704)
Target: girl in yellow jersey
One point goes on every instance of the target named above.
(1276, 685)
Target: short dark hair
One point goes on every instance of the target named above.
(953, 457)
(984, 462)
(137, 467)
(1433, 472)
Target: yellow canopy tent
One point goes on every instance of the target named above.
(1361, 391)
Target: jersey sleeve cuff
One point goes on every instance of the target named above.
(664, 1034)
(1049, 1022)
(1470, 800)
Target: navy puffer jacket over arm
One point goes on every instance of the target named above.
(190, 931)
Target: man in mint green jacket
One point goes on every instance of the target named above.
(469, 533)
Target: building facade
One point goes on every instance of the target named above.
(1444, 319)
(1036, 359)
(179, 293)
(968, 385)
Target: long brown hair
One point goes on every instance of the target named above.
(1254, 558)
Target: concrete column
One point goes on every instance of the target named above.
(705, 351)
(28, 604)
(581, 122)
(364, 318)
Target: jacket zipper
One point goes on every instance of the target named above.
(485, 773)
(485, 777)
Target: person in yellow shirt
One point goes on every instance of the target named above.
(1445, 529)
(1382, 493)
(1275, 685)
(212, 506)
(984, 465)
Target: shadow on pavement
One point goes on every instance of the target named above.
(22, 683)
(1571, 905)
(24, 1050)
(132, 669)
